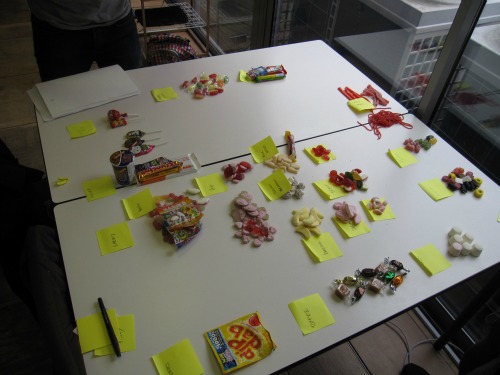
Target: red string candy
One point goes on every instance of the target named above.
(384, 119)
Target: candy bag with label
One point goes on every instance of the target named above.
(240, 343)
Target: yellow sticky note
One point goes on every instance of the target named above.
(402, 157)
(179, 359)
(99, 188)
(275, 185)
(211, 184)
(436, 189)
(328, 190)
(163, 94)
(311, 313)
(388, 214)
(318, 159)
(263, 150)
(81, 129)
(323, 247)
(349, 230)
(430, 259)
(114, 238)
(125, 335)
(360, 104)
(139, 204)
(92, 331)
(62, 181)
(244, 77)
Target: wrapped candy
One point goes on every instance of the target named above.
(117, 119)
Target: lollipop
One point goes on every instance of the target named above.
(136, 141)
(117, 119)
(138, 133)
(143, 148)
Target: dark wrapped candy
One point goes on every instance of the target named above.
(368, 272)
(358, 293)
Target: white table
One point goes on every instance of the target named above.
(214, 279)
(306, 102)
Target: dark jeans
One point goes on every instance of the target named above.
(61, 53)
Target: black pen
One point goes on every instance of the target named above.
(109, 328)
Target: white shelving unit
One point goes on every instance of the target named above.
(193, 21)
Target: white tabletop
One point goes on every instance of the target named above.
(178, 294)
(306, 102)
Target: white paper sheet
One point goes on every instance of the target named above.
(67, 95)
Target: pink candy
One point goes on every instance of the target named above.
(377, 205)
(235, 172)
(346, 213)
(250, 221)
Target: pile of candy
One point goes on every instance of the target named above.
(283, 162)
(117, 119)
(251, 221)
(389, 273)
(307, 221)
(377, 205)
(376, 96)
(463, 181)
(178, 217)
(321, 152)
(268, 73)
(297, 190)
(416, 145)
(384, 119)
(206, 85)
(235, 172)
(350, 181)
(462, 244)
(346, 213)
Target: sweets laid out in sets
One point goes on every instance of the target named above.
(463, 181)
(307, 221)
(205, 85)
(462, 243)
(387, 275)
(350, 181)
(250, 221)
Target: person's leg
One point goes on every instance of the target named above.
(44, 273)
(60, 53)
(118, 44)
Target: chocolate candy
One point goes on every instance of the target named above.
(376, 285)
(342, 291)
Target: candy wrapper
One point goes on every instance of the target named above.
(178, 218)
(268, 73)
(240, 343)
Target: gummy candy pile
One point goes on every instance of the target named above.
(206, 85)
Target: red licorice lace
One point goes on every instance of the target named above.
(384, 119)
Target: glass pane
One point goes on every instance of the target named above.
(230, 26)
(394, 42)
(469, 114)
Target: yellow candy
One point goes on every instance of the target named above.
(478, 193)
(478, 181)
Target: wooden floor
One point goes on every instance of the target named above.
(380, 351)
